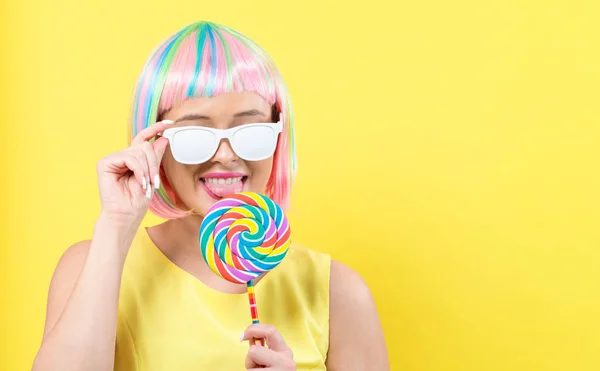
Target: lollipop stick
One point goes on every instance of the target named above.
(253, 310)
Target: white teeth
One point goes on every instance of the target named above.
(222, 181)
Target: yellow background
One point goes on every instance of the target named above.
(448, 151)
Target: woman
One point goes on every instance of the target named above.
(136, 298)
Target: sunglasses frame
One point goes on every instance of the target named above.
(221, 134)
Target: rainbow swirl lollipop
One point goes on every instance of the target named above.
(243, 236)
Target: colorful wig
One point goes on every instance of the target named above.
(205, 59)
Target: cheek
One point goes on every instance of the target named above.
(261, 171)
(182, 187)
(177, 174)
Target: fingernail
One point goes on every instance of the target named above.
(242, 336)
(156, 181)
(149, 192)
(167, 122)
(144, 182)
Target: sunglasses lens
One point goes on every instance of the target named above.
(254, 143)
(193, 146)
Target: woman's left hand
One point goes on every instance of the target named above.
(277, 357)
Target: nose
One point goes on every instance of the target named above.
(225, 153)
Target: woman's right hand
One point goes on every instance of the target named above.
(127, 179)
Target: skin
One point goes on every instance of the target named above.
(88, 275)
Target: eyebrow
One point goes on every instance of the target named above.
(252, 112)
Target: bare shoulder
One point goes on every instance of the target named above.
(353, 311)
(63, 281)
(347, 287)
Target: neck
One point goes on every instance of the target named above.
(178, 240)
(185, 230)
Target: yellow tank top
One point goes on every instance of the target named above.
(169, 320)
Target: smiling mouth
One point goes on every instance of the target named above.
(218, 187)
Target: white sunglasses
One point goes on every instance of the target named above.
(192, 145)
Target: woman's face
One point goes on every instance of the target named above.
(198, 187)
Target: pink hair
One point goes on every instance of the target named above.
(204, 59)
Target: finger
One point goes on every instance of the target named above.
(120, 163)
(150, 158)
(140, 155)
(260, 356)
(268, 332)
(134, 165)
(151, 131)
(250, 364)
(160, 146)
